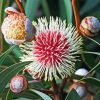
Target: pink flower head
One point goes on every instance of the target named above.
(54, 51)
(16, 27)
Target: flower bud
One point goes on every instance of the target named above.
(18, 84)
(16, 27)
(90, 26)
(81, 72)
(81, 90)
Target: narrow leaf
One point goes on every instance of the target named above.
(93, 69)
(8, 73)
(27, 94)
(73, 95)
(92, 81)
(45, 8)
(68, 10)
(3, 4)
(31, 8)
(4, 55)
(44, 96)
(89, 6)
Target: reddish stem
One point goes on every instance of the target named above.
(20, 6)
(46, 91)
(63, 84)
(90, 97)
(57, 95)
(76, 14)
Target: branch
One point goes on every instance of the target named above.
(76, 14)
(63, 84)
(19, 3)
(57, 96)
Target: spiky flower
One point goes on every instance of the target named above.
(54, 50)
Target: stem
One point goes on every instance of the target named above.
(56, 91)
(33, 81)
(95, 53)
(46, 91)
(76, 14)
(93, 40)
(63, 84)
(90, 97)
(20, 6)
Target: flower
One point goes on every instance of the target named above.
(18, 84)
(16, 27)
(54, 50)
(90, 26)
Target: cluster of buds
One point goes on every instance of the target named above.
(80, 87)
(16, 27)
(90, 26)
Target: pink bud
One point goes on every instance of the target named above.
(18, 84)
(90, 26)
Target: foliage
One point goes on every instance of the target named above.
(9, 58)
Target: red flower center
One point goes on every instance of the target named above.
(50, 47)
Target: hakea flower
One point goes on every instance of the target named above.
(16, 27)
(54, 50)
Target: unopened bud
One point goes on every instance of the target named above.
(90, 26)
(18, 84)
(81, 72)
(81, 90)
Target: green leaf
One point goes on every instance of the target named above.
(89, 6)
(5, 94)
(89, 62)
(45, 8)
(27, 94)
(21, 99)
(93, 69)
(92, 81)
(17, 52)
(3, 4)
(44, 96)
(9, 95)
(4, 55)
(95, 53)
(96, 14)
(73, 95)
(66, 10)
(9, 60)
(9, 72)
(31, 8)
